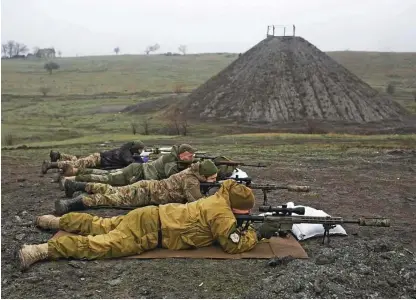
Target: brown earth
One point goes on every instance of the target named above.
(286, 79)
(369, 263)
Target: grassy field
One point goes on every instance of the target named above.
(87, 93)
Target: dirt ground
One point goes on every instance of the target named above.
(368, 263)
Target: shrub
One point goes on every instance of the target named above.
(390, 89)
(50, 66)
(179, 88)
(44, 90)
(8, 139)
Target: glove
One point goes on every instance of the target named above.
(267, 230)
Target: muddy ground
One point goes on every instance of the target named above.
(368, 263)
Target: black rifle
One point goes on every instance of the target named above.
(230, 163)
(266, 188)
(282, 216)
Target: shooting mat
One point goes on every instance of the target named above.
(275, 247)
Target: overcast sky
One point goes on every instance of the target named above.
(96, 27)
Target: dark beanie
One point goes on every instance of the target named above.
(207, 168)
(138, 144)
(186, 148)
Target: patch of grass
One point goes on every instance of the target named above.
(107, 74)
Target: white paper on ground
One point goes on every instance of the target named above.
(305, 231)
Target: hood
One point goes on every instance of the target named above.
(237, 195)
(194, 169)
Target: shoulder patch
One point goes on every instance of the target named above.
(235, 237)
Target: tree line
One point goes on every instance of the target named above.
(12, 49)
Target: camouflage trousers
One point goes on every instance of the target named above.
(91, 161)
(98, 237)
(136, 195)
(119, 177)
(67, 157)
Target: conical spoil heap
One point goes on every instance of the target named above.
(285, 79)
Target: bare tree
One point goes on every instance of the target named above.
(14, 49)
(60, 53)
(10, 48)
(145, 125)
(20, 49)
(116, 50)
(134, 127)
(185, 126)
(153, 48)
(178, 122)
(4, 49)
(182, 49)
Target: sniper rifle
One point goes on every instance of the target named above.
(266, 188)
(283, 218)
(229, 163)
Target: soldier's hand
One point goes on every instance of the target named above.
(267, 230)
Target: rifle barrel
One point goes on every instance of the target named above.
(238, 163)
(378, 222)
(290, 187)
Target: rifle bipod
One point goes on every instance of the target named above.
(327, 228)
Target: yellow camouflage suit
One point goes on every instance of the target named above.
(181, 187)
(172, 226)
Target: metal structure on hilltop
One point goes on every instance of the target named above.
(271, 29)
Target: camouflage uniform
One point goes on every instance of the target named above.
(163, 167)
(67, 157)
(111, 159)
(182, 187)
(172, 226)
(90, 161)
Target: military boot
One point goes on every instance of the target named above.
(29, 254)
(62, 179)
(48, 165)
(55, 156)
(63, 206)
(73, 186)
(47, 222)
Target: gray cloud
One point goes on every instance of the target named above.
(95, 27)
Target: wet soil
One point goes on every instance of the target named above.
(369, 263)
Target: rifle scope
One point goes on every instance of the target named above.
(282, 210)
